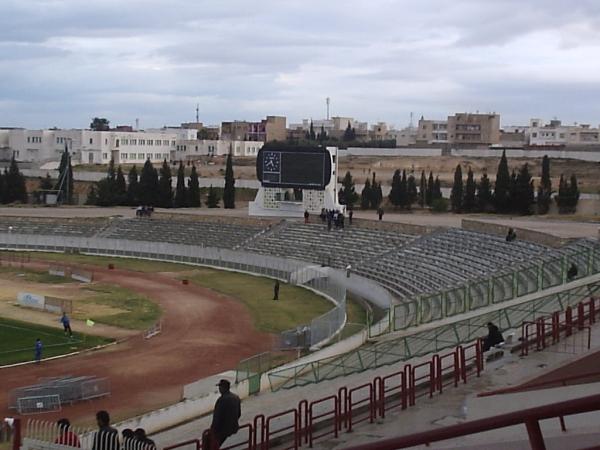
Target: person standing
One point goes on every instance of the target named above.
(380, 213)
(66, 324)
(276, 290)
(225, 416)
(106, 438)
(306, 216)
(38, 350)
(66, 436)
(350, 214)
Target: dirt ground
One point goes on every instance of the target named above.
(204, 333)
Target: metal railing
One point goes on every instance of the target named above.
(500, 287)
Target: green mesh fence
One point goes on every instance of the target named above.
(397, 350)
(502, 287)
(527, 280)
(455, 301)
(479, 294)
(552, 273)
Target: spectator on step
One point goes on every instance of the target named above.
(66, 436)
(129, 441)
(38, 350)
(306, 216)
(572, 272)
(106, 438)
(380, 213)
(66, 323)
(225, 416)
(143, 441)
(329, 222)
(323, 215)
(276, 290)
(511, 235)
(350, 214)
(494, 337)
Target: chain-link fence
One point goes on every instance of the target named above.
(498, 288)
(290, 271)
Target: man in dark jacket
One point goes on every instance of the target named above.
(106, 438)
(226, 414)
(494, 337)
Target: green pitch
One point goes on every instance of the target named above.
(17, 340)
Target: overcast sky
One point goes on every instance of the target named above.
(63, 62)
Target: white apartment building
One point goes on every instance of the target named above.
(191, 149)
(95, 147)
(557, 134)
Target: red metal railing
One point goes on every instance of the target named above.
(529, 417)
(332, 414)
(195, 442)
(368, 403)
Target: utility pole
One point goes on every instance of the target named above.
(197, 113)
(327, 100)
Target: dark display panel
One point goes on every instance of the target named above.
(301, 169)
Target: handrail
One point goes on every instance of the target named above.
(533, 386)
(530, 417)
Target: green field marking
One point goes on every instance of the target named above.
(17, 340)
(139, 311)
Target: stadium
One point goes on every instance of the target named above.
(367, 335)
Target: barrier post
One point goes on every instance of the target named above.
(555, 327)
(536, 440)
(259, 418)
(303, 408)
(568, 321)
(437, 366)
(16, 434)
(592, 310)
(343, 402)
(580, 316)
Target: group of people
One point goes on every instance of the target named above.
(334, 218)
(144, 211)
(225, 419)
(39, 345)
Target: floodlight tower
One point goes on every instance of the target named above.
(327, 100)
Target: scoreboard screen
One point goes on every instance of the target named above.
(302, 168)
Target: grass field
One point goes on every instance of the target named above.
(17, 340)
(124, 308)
(296, 305)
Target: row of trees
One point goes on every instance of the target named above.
(153, 187)
(514, 192)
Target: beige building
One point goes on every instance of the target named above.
(432, 132)
(465, 129)
(273, 128)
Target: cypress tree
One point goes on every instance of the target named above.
(148, 188)
(311, 132)
(470, 190)
(193, 198)
(484, 194)
(573, 193)
(512, 192)
(429, 192)
(229, 191)
(423, 189)
(212, 200)
(394, 195)
(437, 189)
(456, 197)
(165, 189)
(404, 190)
(524, 191)
(65, 178)
(348, 191)
(366, 195)
(180, 192)
(411, 191)
(502, 185)
(133, 188)
(14, 182)
(120, 188)
(544, 194)
(376, 196)
(2, 188)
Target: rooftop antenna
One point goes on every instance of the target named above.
(137, 124)
(197, 113)
(410, 125)
(327, 101)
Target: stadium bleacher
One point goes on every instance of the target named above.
(52, 227)
(336, 248)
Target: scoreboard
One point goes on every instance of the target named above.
(299, 168)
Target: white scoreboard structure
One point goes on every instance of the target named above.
(294, 180)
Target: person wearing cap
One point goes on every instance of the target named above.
(226, 414)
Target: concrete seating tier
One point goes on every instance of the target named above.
(56, 227)
(336, 248)
(208, 234)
